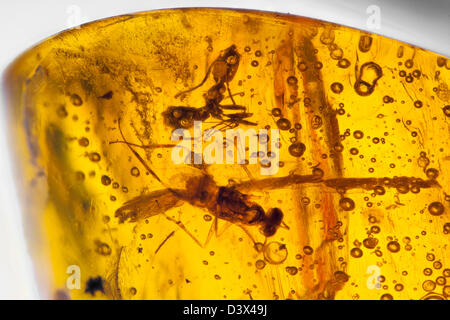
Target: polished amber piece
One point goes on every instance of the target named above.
(361, 190)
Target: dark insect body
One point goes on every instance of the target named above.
(223, 70)
(226, 203)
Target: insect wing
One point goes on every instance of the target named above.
(147, 205)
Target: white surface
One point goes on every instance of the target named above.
(23, 23)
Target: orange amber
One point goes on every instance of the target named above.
(361, 195)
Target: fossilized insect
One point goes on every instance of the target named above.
(232, 204)
(223, 69)
(226, 203)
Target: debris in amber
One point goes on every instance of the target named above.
(358, 208)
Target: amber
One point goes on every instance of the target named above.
(364, 158)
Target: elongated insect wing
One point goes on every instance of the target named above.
(277, 182)
(147, 205)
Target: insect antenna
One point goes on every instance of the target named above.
(138, 156)
(199, 85)
(150, 146)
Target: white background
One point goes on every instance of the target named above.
(23, 23)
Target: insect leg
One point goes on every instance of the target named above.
(235, 94)
(151, 146)
(182, 227)
(284, 225)
(239, 118)
(214, 229)
(249, 123)
(229, 91)
(200, 84)
(232, 107)
(138, 156)
(224, 228)
(211, 231)
(248, 234)
(220, 124)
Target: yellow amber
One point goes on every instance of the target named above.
(363, 151)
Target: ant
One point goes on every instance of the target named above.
(223, 69)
